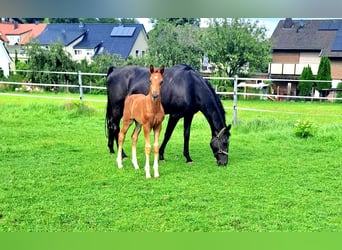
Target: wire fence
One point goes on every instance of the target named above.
(80, 86)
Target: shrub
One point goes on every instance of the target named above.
(339, 93)
(305, 88)
(303, 129)
(324, 73)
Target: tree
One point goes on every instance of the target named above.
(305, 88)
(238, 44)
(170, 44)
(324, 73)
(53, 58)
(176, 21)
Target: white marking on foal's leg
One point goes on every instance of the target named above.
(147, 167)
(119, 157)
(134, 157)
(155, 166)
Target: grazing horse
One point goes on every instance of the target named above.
(147, 112)
(184, 91)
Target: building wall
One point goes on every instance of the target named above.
(70, 49)
(295, 61)
(336, 69)
(140, 45)
(5, 60)
(285, 57)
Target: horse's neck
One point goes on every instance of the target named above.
(155, 105)
(214, 115)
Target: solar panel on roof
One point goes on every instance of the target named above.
(337, 45)
(329, 26)
(122, 31)
(324, 26)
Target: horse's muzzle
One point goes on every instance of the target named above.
(155, 96)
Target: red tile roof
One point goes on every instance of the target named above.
(27, 30)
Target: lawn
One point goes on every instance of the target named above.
(58, 176)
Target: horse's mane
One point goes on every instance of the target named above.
(211, 89)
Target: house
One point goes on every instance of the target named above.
(16, 35)
(5, 60)
(86, 40)
(299, 43)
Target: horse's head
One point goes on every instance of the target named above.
(156, 79)
(220, 146)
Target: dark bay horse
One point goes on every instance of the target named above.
(147, 112)
(184, 92)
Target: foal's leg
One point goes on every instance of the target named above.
(157, 130)
(147, 151)
(122, 134)
(134, 137)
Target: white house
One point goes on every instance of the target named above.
(5, 59)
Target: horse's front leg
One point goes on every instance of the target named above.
(187, 126)
(171, 124)
(147, 151)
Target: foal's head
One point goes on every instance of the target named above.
(156, 79)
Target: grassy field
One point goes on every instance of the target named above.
(57, 174)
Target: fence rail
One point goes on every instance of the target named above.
(235, 92)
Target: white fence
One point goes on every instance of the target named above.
(236, 80)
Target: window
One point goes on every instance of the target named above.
(137, 53)
(78, 52)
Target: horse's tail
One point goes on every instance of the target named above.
(109, 114)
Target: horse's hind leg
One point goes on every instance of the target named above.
(111, 137)
(134, 137)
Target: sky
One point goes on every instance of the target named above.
(269, 23)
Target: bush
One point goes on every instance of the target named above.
(305, 88)
(303, 129)
(339, 93)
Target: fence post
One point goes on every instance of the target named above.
(235, 100)
(80, 85)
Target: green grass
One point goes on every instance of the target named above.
(57, 174)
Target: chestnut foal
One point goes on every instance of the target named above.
(147, 112)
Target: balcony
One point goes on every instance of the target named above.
(290, 68)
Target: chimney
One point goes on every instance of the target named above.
(15, 25)
(288, 23)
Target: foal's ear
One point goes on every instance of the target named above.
(151, 69)
(161, 70)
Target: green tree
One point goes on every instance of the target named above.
(238, 44)
(305, 88)
(53, 58)
(176, 21)
(324, 73)
(339, 93)
(170, 44)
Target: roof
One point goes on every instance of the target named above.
(64, 32)
(324, 35)
(104, 37)
(31, 30)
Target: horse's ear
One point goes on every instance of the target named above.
(151, 69)
(161, 70)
